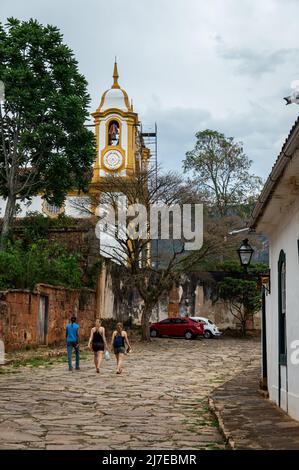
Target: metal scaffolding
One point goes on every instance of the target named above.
(149, 135)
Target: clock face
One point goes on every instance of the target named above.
(113, 160)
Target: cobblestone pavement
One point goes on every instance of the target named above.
(159, 402)
(250, 421)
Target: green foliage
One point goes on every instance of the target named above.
(36, 226)
(12, 267)
(40, 262)
(64, 221)
(242, 290)
(44, 146)
(235, 269)
(221, 172)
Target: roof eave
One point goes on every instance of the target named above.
(289, 148)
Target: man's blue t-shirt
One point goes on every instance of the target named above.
(72, 329)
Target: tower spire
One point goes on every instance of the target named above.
(115, 76)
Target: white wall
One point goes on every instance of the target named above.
(284, 238)
(72, 207)
(34, 206)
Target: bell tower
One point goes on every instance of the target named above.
(120, 147)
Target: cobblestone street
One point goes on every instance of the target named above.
(159, 402)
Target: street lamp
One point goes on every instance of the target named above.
(245, 253)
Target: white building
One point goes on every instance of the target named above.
(276, 215)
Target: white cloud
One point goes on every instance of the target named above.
(256, 62)
(175, 70)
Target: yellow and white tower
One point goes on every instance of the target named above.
(120, 148)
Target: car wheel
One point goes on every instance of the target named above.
(154, 333)
(207, 334)
(188, 335)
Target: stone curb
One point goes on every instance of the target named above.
(226, 434)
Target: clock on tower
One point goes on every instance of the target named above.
(113, 160)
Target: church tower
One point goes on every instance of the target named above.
(120, 147)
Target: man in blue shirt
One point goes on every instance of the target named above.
(72, 341)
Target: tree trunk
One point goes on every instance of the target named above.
(145, 317)
(7, 220)
(243, 327)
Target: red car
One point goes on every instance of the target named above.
(177, 326)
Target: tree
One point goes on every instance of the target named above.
(40, 262)
(242, 292)
(44, 146)
(221, 171)
(152, 274)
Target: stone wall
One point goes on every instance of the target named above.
(81, 239)
(116, 297)
(40, 317)
(218, 312)
(199, 297)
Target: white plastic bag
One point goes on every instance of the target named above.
(106, 355)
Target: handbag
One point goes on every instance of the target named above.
(75, 346)
(106, 355)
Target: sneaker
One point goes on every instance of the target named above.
(77, 368)
(70, 369)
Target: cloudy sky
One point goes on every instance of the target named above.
(187, 64)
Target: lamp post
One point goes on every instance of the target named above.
(245, 254)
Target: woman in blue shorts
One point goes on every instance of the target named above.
(119, 342)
